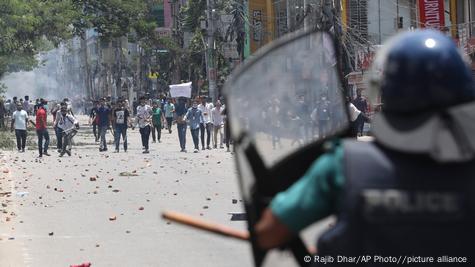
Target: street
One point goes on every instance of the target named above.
(105, 208)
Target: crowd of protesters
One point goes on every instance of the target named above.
(206, 121)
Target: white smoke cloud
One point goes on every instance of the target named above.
(38, 83)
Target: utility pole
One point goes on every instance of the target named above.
(210, 64)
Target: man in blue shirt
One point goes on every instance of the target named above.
(104, 114)
(195, 118)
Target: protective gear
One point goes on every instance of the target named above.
(423, 71)
(428, 93)
(395, 207)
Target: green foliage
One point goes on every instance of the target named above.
(25, 25)
(192, 13)
(110, 18)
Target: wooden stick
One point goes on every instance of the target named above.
(204, 225)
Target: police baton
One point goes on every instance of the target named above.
(205, 225)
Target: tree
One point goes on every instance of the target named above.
(236, 30)
(30, 26)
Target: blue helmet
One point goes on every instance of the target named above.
(424, 71)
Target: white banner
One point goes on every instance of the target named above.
(180, 90)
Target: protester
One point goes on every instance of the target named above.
(227, 129)
(180, 111)
(218, 125)
(94, 120)
(59, 140)
(42, 130)
(68, 126)
(120, 123)
(361, 104)
(104, 114)
(20, 124)
(194, 118)
(13, 106)
(26, 105)
(144, 120)
(157, 119)
(169, 109)
(206, 125)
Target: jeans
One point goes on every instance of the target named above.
(195, 135)
(360, 124)
(227, 134)
(169, 124)
(42, 134)
(67, 137)
(181, 127)
(59, 138)
(145, 134)
(157, 128)
(120, 130)
(218, 129)
(94, 131)
(20, 139)
(102, 133)
(206, 126)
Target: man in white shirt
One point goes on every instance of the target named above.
(20, 124)
(68, 125)
(206, 111)
(218, 124)
(144, 121)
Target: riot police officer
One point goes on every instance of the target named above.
(410, 192)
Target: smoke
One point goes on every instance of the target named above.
(32, 83)
(41, 82)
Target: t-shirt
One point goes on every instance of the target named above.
(206, 111)
(144, 115)
(180, 109)
(103, 113)
(20, 118)
(195, 117)
(41, 119)
(217, 117)
(169, 108)
(157, 116)
(66, 122)
(315, 195)
(121, 116)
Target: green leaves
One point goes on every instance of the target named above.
(24, 27)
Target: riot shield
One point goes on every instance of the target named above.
(282, 105)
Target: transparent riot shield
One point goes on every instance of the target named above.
(280, 104)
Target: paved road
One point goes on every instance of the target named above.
(59, 209)
(57, 216)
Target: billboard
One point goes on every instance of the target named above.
(431, 13)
